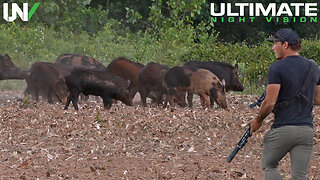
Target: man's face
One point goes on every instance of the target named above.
(279, 49)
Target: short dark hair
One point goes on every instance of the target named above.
(294, 46)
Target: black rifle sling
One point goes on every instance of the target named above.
(309, 81)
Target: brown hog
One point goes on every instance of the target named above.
(128, 70)
(50, 78)
(180, 79)
(77, 60)
(8, 70)
(150, 82)
(206, 84)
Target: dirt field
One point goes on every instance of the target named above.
(42, 141)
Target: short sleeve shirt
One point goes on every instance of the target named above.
(290, 73)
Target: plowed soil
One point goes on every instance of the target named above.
(42, 141)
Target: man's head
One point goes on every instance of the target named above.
(286, 43)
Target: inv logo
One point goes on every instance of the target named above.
(24, 14)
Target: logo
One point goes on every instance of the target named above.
(278, 12)
(24, 14)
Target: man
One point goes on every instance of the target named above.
(292, 129)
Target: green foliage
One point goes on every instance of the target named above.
(172, 46)
(26, 100)
(12, 85)
(98, 119)
(311, 49)
(65, 15)
(169, 32)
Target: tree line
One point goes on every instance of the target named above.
(140, 16)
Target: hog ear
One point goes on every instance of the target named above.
(223, 82)
(235, 68)
(7, 56)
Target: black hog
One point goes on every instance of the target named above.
(99, 83)
(128, 70)
(8, 70)
(150, 82)
(176, 80)
(181, 79)
(77, 60)
(222, 70)
(49, 78)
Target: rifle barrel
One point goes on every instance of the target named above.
(234, 152)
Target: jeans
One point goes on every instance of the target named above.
(277, 142)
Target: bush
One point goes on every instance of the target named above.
(170, 46)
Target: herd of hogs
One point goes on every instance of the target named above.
(73, 75)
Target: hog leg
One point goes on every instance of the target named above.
(68, 101)
(190, 98)
(201, 101)
(213, 96)
(160, 95)
(212, 99)
(169, 99)
(49, 96)
(75, 100)
(143, 93)
(36, 93)
(207, 101)
(153, 97)
(107, 102)
(204, 99)
(73, 96)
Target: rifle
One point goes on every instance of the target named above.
(259, 101)
(241, 143)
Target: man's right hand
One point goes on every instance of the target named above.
(255, 125)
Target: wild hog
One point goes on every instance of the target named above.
(128, 70)
(222, 70)
(8, 70)
(150, 82)
(77, 60)
(206, 84)
(180, 79)
(176, 80)
(99, 83)
(50, 78)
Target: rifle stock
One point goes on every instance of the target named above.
(259, 101)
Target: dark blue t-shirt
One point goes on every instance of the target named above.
(290, 73)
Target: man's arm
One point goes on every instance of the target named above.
(266, 106)
(317, 96)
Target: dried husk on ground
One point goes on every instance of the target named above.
(41, 140)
